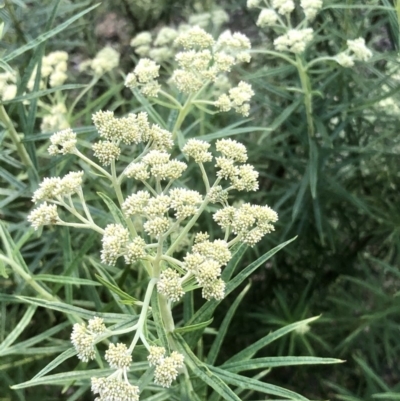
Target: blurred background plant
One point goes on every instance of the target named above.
(338, 193)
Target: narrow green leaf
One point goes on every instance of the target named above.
(69, 353)
(43, 37)
(74, 310)
(300, 194)
(203, 372)
(249, 351)
(18, 329)
(255, 385)
(64, 280)
(115, 289)
(274, 362)
(59, 379)
(216, 346)
(34, 340)
(155, 310)
(193, 327)
(387, 396)
(115, 211)
(44, 92)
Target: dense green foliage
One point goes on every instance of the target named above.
(331, 172)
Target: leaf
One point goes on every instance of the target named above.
(115, 211)
(255, 385)
(213, 353)
(18, 329)
(43, 37)
(274, 362)
(313, 168)
(202, 372)
(193, 327)
(249, 351)
(64, 279)
(155, 309)
(59, 379)
(74, 310)
(115, 289)
(34, 340)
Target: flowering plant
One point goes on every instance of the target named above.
(152, 228)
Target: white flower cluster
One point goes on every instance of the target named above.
(166, 368)
(132, 129)
(114, 389)
(104, 61)
(311, 8)
(243, 177)
(84, 338)
(356, 51)
(8, 87)
(249, 222)
(161, 47)
(205, 262)
(56, 119)
(238, 98)
(145, 77)
(53, 70)
(294, 40)
(203, 60)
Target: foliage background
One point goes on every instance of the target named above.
(344, 264)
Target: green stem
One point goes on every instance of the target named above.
(28, 279)
(92, 163)
(143, 313)
(23, 154)
(166, 313)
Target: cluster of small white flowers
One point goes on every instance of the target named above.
(8, 87)
(135, 250)
(170, 285)
(198, 150)
(83, 338)
(267, 18)
(356, 51)
(238, 98)
(167, 368)
(104, 61)
(54, 67)
(250, 222)
(43, 215)
(51, 188)
(158, 165)
(62, 142)
(114, 389)
(204, 59)
(283, 6)
(235, 44)
(311, 8)
(294, 40)
(184, 202)
(114, 241)
(106, 152)
(56, 119)
(156, 355)
(125, 129)
(118, 356)
(145, 77)
(205, 261)
(242, 177)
